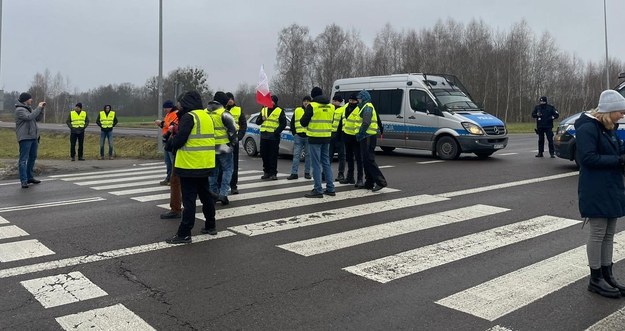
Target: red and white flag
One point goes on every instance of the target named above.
(263, 96)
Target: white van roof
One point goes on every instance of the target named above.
(423, 80)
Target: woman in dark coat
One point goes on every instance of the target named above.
(601, 187)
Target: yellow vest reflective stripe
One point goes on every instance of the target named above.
(235, 111)
(272, 121)
(107, 121)
(78, 120)
(338, 116)
(221, 135)
(199, 150)
(299, 112)
(373, 127)
(352, 123)
(320, 125)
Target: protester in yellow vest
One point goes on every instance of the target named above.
(351, 126)
(225, 139)
(317, 120)
(272, 122)
(77, 121)
(367, 136)
(336, 143)
(300, 142)
(106, 121)
(195, 159)
(241, 124)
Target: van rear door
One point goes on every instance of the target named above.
(421, 123)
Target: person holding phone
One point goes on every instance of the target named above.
(27, 133)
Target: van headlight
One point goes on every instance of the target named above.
(473, 129)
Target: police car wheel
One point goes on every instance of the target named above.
(447, 148)
(250, 147)
(387, 149)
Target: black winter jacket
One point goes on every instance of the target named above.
(544, 115)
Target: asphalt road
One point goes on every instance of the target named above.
(91, 128)
(470, 244)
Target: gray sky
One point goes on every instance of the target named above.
(98, 42)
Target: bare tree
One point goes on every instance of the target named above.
(332, 58)
(293, 61)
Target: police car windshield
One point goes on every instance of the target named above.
(455, 100)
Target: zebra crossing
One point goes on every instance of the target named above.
(490, 300)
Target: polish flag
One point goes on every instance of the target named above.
(263, 96)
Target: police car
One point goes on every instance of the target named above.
(251, 139)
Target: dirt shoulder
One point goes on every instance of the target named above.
(8, 167)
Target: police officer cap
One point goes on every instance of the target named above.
(543, 99)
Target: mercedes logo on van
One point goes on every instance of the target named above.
(496, 130)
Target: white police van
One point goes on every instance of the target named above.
(428, 112)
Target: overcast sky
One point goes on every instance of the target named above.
(99, 42)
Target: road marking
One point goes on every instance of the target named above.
(127, 170)
(360, 236)
(505, 294)
(386, 166)
(238, 197)
(615, 321)
(149, 164)
(410, 262)
(506, 154)
(430, 162)
(51, 204)
(499, 328)
(21, 250)
(506, 185)
(273, 183)
(270, 206)
(62, 289)
(100, 176)
(3, 220)
(116, 317)
(11, 231)
(123, 185)
(261, 228)
(17, 183)
(84, 259)
(117, 180)
(142, 190)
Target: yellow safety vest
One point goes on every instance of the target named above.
(352, 123)
(272, 121)
(78, 120)
(106, 122)
(320, 125)
(373, 127)
(299, 113)
(338, 116)
(235, 111)
(221, 135)
(199, 150)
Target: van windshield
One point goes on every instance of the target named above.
(455, 100)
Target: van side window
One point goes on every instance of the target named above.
(420, 100)
(387, 102)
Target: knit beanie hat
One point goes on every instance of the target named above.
(79, 105)
(230, 95)
(24, 97)
(168, 104)
(274, 98)
(316, 91)
(337, 98)
(610, 101)
(221, 97)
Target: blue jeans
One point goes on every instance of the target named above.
(103, 136)
(300, 143)
(168, 163)
(28, 155)
(321, 160)
(223, 164)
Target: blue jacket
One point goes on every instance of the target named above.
(601, 186)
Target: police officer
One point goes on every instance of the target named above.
(77, 121)
(544, 114)
(272, 122)
(195, 159)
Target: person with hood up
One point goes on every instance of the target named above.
(351, 126)
(77, 121)
(367, 136)
(27, 134)
(272, 122)
(225, 141)
(601, 188)
(106, 120)
(317, 119)
(195, 159)
(544, 114)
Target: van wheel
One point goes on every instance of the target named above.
(387, 149)
(483, 155)
(447, 148)
(250, 147)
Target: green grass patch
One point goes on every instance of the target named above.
(56, 146)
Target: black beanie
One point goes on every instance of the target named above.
(353, 96)
(337, 98)
(24, 97)
(221, 97)
(230, 95)
(274, 98)
(79, 105)
(316, 91)
(307, 98)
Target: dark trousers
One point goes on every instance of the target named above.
(192, 187)
(372, 171)
(269, 152)
(73, 137)
(235, 168)
(337, 145)
(352, 151)
(541, 140)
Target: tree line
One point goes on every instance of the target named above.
(505, 71)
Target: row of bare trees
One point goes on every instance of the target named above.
(506, 72)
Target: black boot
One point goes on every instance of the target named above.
(609, 278)
(598, 285)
